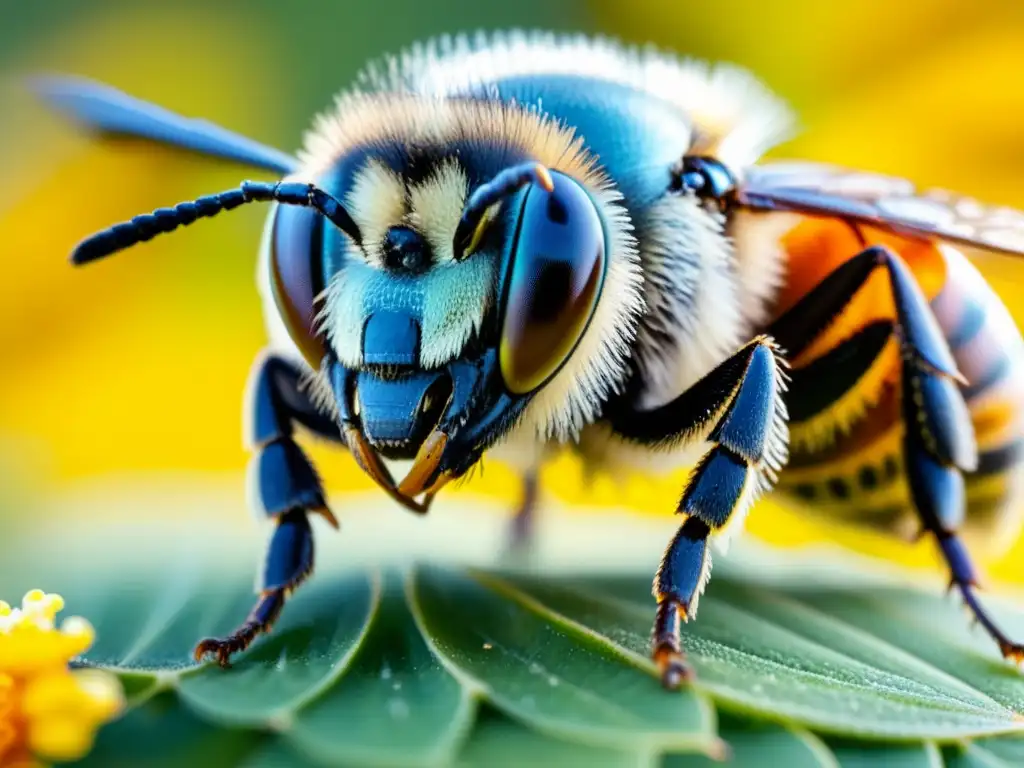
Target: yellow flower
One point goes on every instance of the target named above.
(48, 711)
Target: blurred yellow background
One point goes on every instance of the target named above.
(136, 366)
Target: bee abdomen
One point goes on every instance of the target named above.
(861, 478)
(989, 353)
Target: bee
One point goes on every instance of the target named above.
(521, 242)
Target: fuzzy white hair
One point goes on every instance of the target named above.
(732, 115)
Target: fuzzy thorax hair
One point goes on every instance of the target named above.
(732, 115)
(379, 198)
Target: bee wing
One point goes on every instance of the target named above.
(881, 201)
(109, 111)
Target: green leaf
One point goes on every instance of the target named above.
(309, 649)
(785, 659)
(973, 756)
(395, 705)
(860, 755)
(1010, 749)
(937, 631)
(137, 686)
(541, 670)
(751, 744)
(277, 754)
(161, 733)
(451, 665)
(498, 742)
(986, 753)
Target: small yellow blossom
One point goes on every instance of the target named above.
(47, 711)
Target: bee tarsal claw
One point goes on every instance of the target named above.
(222, 649)
(1013, 651)
(667, 651)
(675, 672)
(213, 648)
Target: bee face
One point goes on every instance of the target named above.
(429, 325)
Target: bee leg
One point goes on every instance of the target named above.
(521, 529)
(286, 489)
(288, 562)
(740, 401)
(936, 454)
(938, 444)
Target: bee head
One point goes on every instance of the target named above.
(451, 270)
(492, 284)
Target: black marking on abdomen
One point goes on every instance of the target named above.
(822, 382)
(867, 479)
(1000, 459)
(891, 467)
(838, 488)
(806, 491)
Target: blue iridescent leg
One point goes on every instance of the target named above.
(739, 408)
(286, 489)
(938, 447)
(938, 443)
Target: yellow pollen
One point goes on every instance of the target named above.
(49, 712)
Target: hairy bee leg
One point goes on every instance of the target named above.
(285, 487)
(938, 444)
(277, 399)
(742, 403)
(684, 571)
(288, 562)
(282, 476)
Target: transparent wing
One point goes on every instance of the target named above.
(886, 202)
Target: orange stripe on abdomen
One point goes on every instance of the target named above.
(817, 246)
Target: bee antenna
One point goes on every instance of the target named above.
(502, 185)
(163, 220)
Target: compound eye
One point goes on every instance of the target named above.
(558, 266)
(295, 276)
